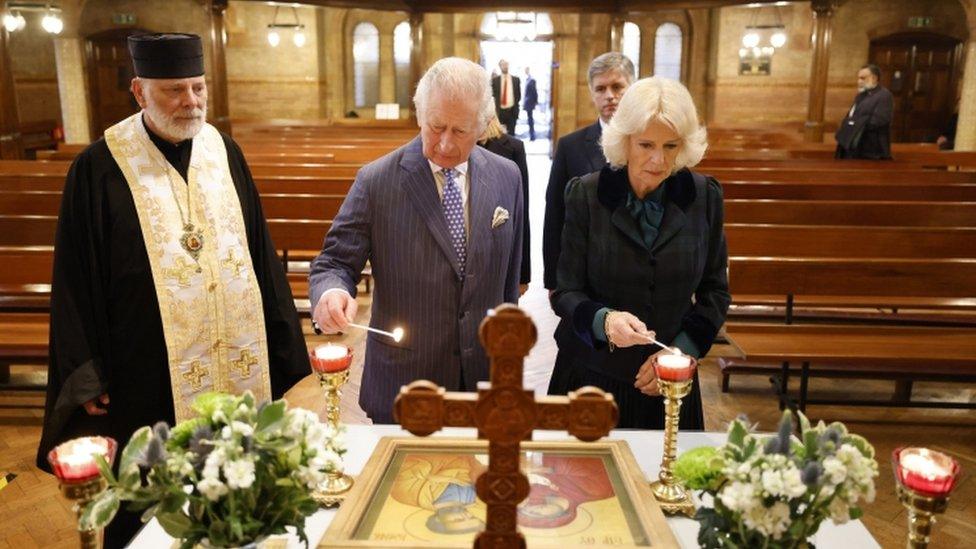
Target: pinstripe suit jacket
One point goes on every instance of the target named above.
(393, 217)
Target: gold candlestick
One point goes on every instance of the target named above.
(921, 514)
(337, 484)
(672, 496)
(82, 494)
(923, 479)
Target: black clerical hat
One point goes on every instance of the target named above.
(166, 55)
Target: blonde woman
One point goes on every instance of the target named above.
(497, 141)
(643, 253)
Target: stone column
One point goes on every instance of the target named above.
(697, 76)
(966, 129)
(617, 35)
(219, 100)
(823, 11)
(387, 68)
(69, 58)
(11, 142)
(416, 53)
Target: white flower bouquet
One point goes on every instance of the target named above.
(774, 491)
(234, 475)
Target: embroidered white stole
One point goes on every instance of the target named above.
(211, 308)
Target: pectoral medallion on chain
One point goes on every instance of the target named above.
(192, 241)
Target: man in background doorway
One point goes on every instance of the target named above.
(866, 130)
(507, 91)
(578, 154)
(531, 100)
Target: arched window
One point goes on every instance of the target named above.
(401, 58)
(667, 51)
(366, 64)
(632, 44)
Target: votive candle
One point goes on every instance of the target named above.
(331, 358)
(674, 367)
(926, 471)
(74, 462)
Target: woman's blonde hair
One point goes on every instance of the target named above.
(655, 98)
(493, 129)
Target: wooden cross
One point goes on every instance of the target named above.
(194, 375)
(244, 363)
(505, 414)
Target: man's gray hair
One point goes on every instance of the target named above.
(456, 78)
(610, 61)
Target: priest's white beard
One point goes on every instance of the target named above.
(179, 126)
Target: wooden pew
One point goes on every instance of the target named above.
(901, 353)
(860, 213)
(848, 282)
(809, 175)
(765, 240)
(948, 192)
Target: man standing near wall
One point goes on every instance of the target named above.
(866, 130)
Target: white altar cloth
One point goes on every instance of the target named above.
(647, 447)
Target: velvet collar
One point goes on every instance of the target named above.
(613, 186)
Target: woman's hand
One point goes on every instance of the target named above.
(646, 379)
(625, 330)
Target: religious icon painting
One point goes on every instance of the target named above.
(421, 493)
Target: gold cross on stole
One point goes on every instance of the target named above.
(181, 272)
(233, 263)
(244, 363)
(194, 375)
(505, 414)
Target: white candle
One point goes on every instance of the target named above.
(674, 367)
(330, 351)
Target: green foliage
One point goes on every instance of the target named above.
(234, 474)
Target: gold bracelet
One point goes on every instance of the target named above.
(606, 329)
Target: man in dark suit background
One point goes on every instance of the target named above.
(579, 153)
(866, 130)
(440, 221)
(507, 91)
(531, 100)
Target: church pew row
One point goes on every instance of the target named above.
(904, 354)
(860, 213)
(839, 174)
(947, 192)
(845, 283)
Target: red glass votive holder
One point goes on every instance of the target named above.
(927, 472)
(331, 358)
(73, 462)
(673, 367)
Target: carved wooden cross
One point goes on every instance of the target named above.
(505, 414)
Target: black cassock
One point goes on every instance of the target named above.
(106, 331)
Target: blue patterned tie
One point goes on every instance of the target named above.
(454, 214)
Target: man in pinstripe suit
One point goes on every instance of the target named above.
(437, 219)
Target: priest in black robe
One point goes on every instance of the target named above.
(111, 369)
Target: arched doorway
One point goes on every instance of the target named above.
(109, 76)
(922, 70)
(525, 40)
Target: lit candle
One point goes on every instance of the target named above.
(926, 471)
(331, 358)
(672, 367)
(74, 461)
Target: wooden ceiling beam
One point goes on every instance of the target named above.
(554, 6)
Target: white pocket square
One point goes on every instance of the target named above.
(500, 217)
